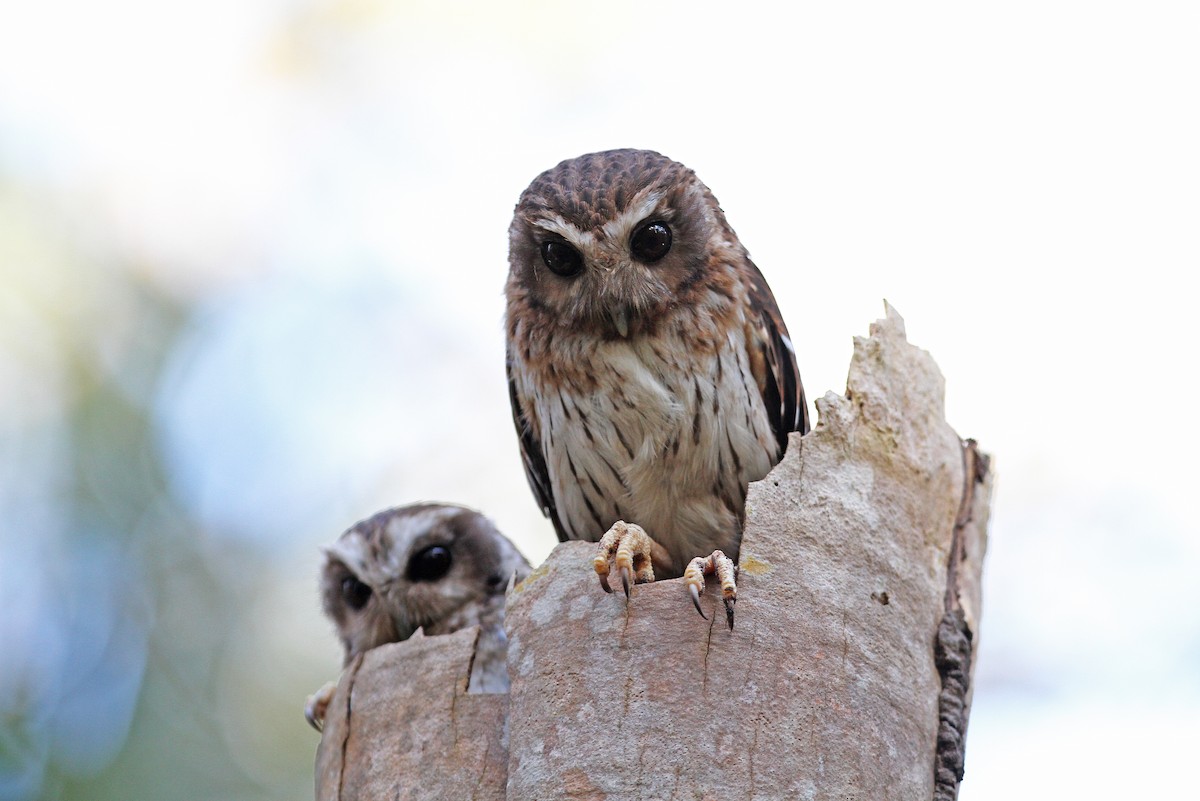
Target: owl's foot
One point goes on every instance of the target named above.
(318, 704)
(625, 549)
(723, 566)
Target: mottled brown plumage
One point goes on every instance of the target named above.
(650, 373)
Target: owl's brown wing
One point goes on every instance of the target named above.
(773, 361)
(534, 459)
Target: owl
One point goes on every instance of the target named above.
(433, 566)
(650, 372)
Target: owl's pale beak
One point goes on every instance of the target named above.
(620, 318)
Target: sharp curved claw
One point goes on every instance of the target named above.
(604, 583)
(625, 581)
(729, 602)
(696, 600)
(311, 716)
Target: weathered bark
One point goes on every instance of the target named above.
(402, 726)
(848, 673)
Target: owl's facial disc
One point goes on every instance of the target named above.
(606, 249)
(606, 275)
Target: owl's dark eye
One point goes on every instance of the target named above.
(561, 258)
(430, 564)
(650, 242)
(355, 593)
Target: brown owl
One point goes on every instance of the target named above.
(651, 375)
(432, 566)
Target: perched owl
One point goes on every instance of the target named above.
(432, 566)
(651, 375)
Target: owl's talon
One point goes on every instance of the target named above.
(318, 704)
(717, 562)
(696, 600)
(625, 548)
(600, 563)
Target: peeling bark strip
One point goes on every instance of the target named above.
(953, 657)
(975, 471)
(954, 648)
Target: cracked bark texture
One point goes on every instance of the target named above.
(402, 726)
(829, 687)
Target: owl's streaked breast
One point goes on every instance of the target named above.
(660, 430)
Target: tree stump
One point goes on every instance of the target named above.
(847, 675)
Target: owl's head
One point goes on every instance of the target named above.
(608, 241)
(421, 565)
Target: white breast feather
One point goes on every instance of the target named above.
(642, 462)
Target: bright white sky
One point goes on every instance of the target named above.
(333, 182)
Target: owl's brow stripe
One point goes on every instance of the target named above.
(582, 240)
(618, 228)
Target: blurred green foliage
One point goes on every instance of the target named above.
(136, 636)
